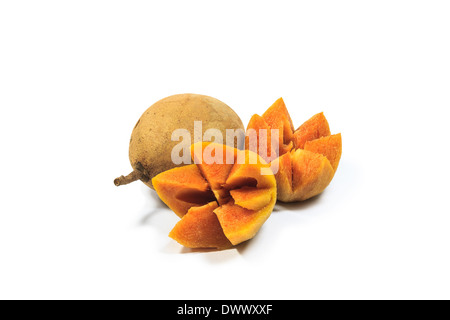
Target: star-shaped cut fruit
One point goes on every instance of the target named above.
(223, 199)
(306, 159)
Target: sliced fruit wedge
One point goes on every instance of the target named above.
(311, 174)
(240, 224)
(284, 177)
(314, 128)
(255, 141)
(251, 198)
(330, 147)
(183, 188)
(308, 157)
(277, 117)
(200, 228)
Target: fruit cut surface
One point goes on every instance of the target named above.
(151, 143)
(183, 188)
(311, 174)
(235, 198)
(200, 228)
(257, 142)
(277, 117)
(314, 128)
(307, 157)
(330, 147)
(240, 224)
(251, 198)
(215, 163)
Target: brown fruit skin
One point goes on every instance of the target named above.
(151, 140)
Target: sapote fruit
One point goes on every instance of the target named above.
(151, 142)
(306, 158)
(222, 202)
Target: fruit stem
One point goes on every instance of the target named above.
(133, 176)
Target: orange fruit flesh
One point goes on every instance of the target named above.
(240, 224)
(314, 128)
(308, 156)
(200, 228)
(183, 188)
(250, 198)
(216, 186)
(215, 163)
(254, 140)
(330, 147)
(277, 117)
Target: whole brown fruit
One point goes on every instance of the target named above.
(151, 140)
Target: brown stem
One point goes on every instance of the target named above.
(133, 176)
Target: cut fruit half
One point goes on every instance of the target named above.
(308, 157)
(218, 200)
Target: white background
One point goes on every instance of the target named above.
(76, 75)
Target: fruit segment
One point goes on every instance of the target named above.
(250, 170)
(154, 141)
(308, 157)
(284, 177)
(183, 188)
(240, 224)
(215, 163)
(255, 140)
(200, 228)
(314, 128)
(218, 200)
(277, 117)
(251, 198)
(311, 174)
(330, 147)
